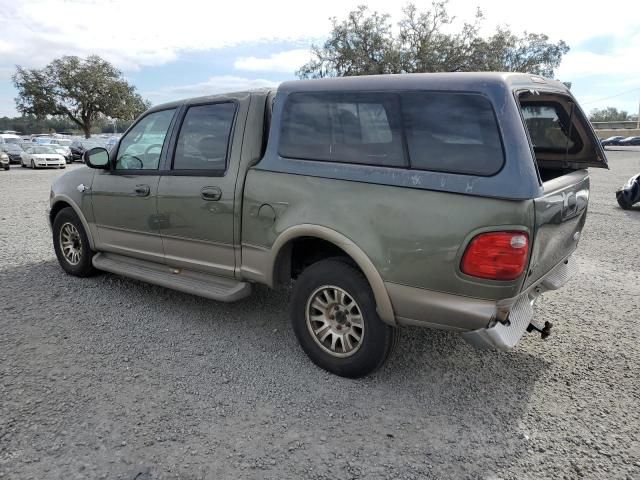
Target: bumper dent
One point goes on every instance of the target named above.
(505, 335)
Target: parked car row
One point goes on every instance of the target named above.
(70, 148)
(620, 141)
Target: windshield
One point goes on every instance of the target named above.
(64, 143)
(43, 149)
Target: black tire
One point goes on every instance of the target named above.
(23, 165)
(33, 165)
(377, 337)
(84, 267)
(624, 205)
(7, 167)
(622, 200)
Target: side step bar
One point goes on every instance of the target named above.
(188, 281)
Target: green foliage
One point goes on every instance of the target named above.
(365, 43)
(29, 124)
(609, 114)
(81, 90)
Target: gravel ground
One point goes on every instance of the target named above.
(112, 378)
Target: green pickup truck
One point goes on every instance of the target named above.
(441, 200)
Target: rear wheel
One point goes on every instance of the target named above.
(71, 244)
(333, 313)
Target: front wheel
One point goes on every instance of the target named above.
(71, 244)
(334, 317)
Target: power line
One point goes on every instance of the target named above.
(612, 96)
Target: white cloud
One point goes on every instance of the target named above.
(288, 61)
(214, 85)
(135, 33)
(621, 59)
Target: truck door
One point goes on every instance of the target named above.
(196, 191)
(124, 198)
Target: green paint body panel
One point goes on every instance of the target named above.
(413, 237)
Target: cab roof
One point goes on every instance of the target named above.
(463, 81)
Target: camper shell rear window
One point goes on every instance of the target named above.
(435, 131)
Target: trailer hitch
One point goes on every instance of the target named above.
(544, 330)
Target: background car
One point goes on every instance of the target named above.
(42, 156)
(4, 161)
(62, 147)
(78, 147)
(112, 142)
(612, 140)
(41, 140)
(24, 144)
(629, 141)
(9, 143)
(13, 150)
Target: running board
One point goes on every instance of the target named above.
(188, 281)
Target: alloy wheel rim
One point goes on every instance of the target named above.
(71, 243)
(335, 321)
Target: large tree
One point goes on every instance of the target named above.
(429, 41)
(82, 90)
(609, 114)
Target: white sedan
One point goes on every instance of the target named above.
(41, 156)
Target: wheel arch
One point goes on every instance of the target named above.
(62, 201)
(282, 247)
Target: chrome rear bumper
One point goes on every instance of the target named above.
(504, 335)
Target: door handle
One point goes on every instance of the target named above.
(142, 190)
(211, 194)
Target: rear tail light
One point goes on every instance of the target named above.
(496, 255)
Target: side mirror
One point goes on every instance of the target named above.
(97, 157)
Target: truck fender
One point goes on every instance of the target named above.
(383, 302)
(65, 199)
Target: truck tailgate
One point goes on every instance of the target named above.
(559, 218)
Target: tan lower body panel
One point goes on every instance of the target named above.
(209, 257)
(136, 244)
(417, 306)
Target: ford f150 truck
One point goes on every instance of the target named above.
(442, 200)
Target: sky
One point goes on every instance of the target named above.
(190, 48)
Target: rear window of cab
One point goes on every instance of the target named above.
(435, 131)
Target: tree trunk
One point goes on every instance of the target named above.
(86, 128)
